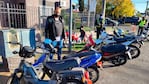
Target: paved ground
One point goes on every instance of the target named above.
(134, 72)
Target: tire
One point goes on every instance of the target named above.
(13, 79)
(93, 73)
(135, 51)
(119, 60)
(147, 37)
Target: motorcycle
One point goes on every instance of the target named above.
(115, 53)
(134, 51)
(119, 36)
(145, 34)
(27, 74)
(88, 59)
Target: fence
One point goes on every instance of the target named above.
(12, 16)
(80, 19)
(20, 16)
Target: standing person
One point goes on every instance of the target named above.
(99, 25)
(54, 30)
(141, 25)
(82, 33)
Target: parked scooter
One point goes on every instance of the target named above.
(104, 40)
(26, 73)
(88, 59)
(145, 34)
(116, 54)
(119, 36)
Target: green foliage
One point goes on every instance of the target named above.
(116, 8)
(138, 14)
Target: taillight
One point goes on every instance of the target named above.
(106, 54)
(99, 63)
(86, 74)
(87, 78)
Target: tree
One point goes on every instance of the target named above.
(99, 6)
(138, 14)
(123, 8)
(81, 5)
(117, 8)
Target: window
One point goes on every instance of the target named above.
(46, 10)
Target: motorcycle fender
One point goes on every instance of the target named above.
(128, 53)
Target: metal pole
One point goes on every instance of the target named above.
(39, 18)
(8, 10)
(70, 26)
(104, 10)
(146, 8)
(88, 13)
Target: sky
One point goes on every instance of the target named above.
(140, 5)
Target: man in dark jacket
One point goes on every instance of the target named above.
(54, 30)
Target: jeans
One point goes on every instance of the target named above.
(58, 45)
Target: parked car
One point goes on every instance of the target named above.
(132, 20)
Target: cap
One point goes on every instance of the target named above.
(57, 4)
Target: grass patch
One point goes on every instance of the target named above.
(76, 47)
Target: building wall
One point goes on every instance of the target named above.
(32, 9)
(32, 13)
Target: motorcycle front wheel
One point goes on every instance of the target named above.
(93, 73)
(134, 51)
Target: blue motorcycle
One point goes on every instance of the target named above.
(88, 59)
(27, 74)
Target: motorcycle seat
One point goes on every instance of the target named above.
(60, 65)
(126, 38)
(114, 48)
(80, 54)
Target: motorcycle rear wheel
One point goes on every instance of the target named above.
(119, 60)
(147, 37)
